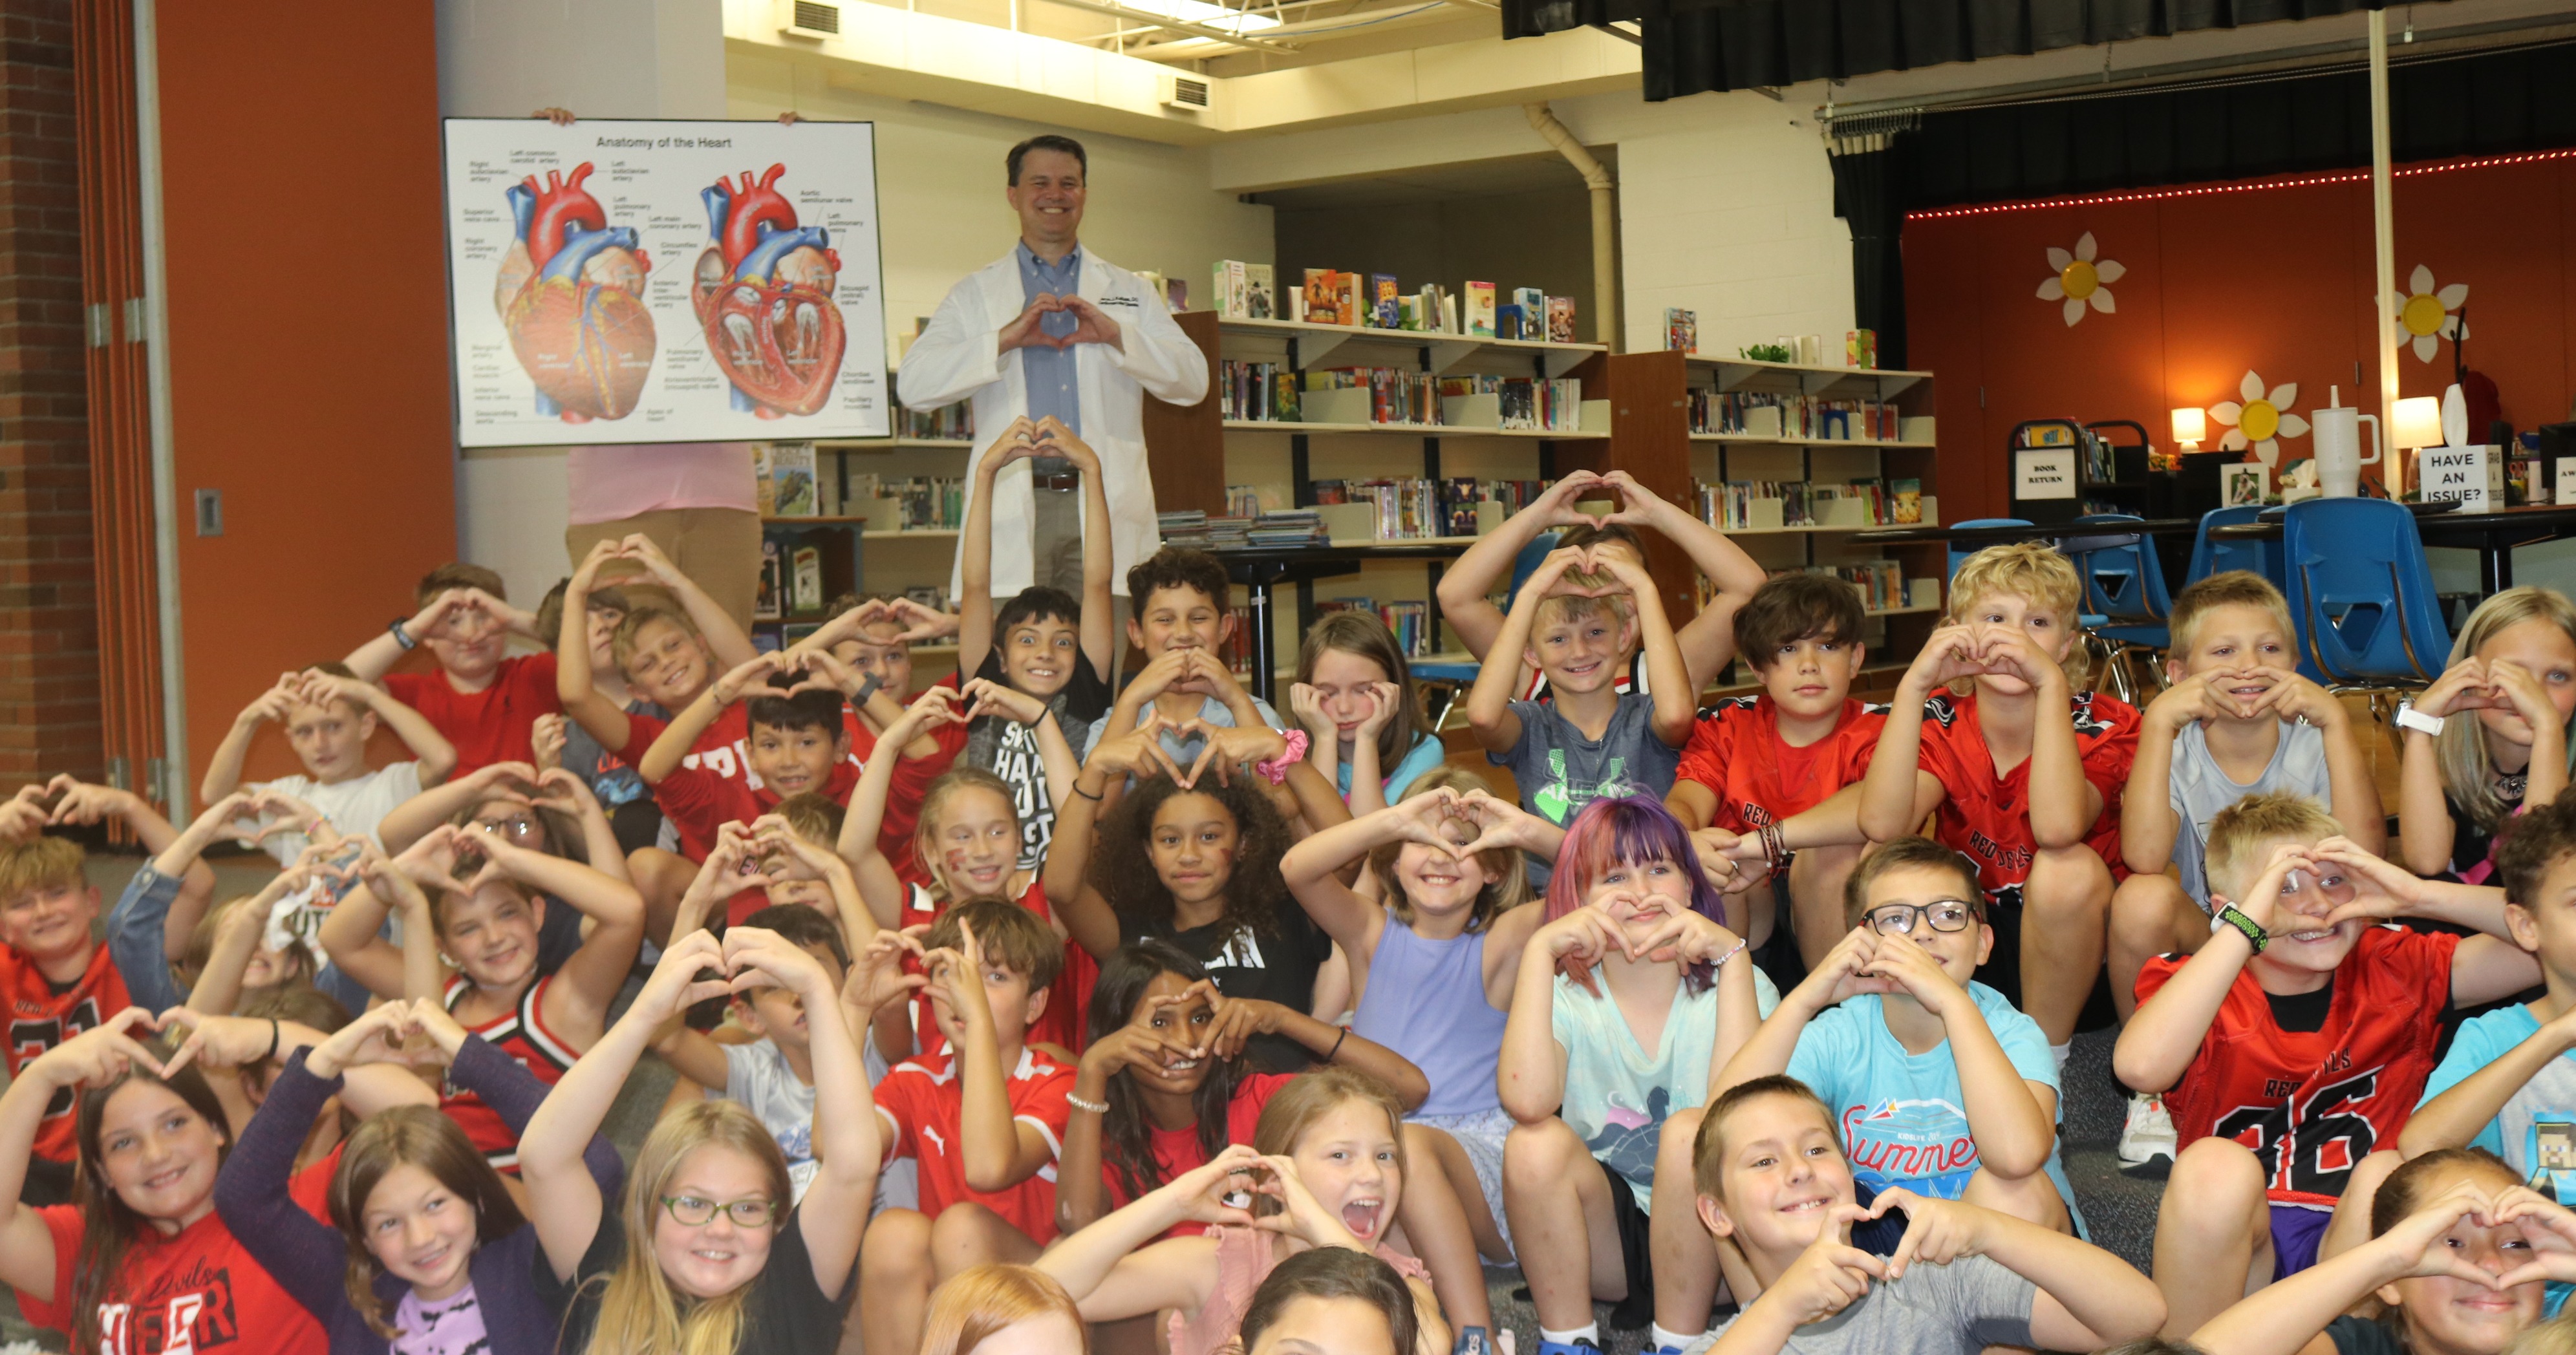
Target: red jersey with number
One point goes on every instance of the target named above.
(1736, 751)
(523, 1036)
(923, 1105)
(2311, 1104)
(196, 1292)
(491, 725)
(1988, 816)
(1068, 998)
(41, 1018)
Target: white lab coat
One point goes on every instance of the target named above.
(959, 356)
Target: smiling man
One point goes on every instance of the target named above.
(1053, 329)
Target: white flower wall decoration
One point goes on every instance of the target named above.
(2082, 280)
(2261, 420)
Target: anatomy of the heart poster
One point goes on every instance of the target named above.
(617, 282)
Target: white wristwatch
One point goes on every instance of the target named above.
(2410, 718)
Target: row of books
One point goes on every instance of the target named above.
(1881, 582)
(949, 423)
(1419, 510)
(1380, 301)
(1764, 414)
(1263, 391)
(1409, 622)
(1287, 529)
(1732, 505)
(927, 502)
(1525, 402)
(1395, 395)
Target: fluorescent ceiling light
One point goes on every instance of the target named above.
(1201, 12)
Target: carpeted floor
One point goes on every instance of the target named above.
(2120, 1210)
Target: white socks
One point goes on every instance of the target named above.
(1589, 1331)
(2059, 1053)
(1659, 1339)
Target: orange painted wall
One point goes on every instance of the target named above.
(2276, 281)
(308, 336)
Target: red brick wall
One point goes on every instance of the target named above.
(49, 708)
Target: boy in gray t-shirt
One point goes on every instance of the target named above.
(1577, 619)
(2236, 720)
(1772, 1177)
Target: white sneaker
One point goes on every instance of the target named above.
(2149, 1133)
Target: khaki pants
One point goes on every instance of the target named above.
(718, 548)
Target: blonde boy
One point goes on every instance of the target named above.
(2025, 771)
(2292, 1047)
(2237, 720)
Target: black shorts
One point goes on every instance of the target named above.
(1636, 1253)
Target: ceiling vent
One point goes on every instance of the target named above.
(1185, 94)
(812, 19)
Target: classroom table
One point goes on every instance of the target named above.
(2044, 531)
(1261, 571)
(2493, 535)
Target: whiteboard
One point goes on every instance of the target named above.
(623, 282)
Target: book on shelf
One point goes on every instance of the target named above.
(1242, 501)
(1681, 330)
(1285, 529)
(1409, 622)
(1395, 395)
(1260, 291)
(769, 596)
(1323, 297)
(1183, 528)
(1770, 415)
(947, 423)
(1354, 298)
(1767, 505)
(1533, 304)
(791, 476)
(1560, 319)
(1385, 306)
(1908, 496)
(922, 502)
(764, 491)
(1229, 297)
(805, 579)
(1413, 509)
(1517, 402)
(1480, 309)
(1261, 392)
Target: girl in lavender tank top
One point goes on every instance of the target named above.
(1433, 967)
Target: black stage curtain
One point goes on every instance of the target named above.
(2495, 103)
(1692, 46)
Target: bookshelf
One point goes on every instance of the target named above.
(855, 557)
(1841, 450)
(1195, 452)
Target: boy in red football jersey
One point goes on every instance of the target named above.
(57, 980)
(1763, 762)
(2292, 1047)
(2032, 796)
(481, 700)
(984, 1118)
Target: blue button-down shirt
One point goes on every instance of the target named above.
(1053, 381)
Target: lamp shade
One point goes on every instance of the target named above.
(2190, 425)
(2419, 422)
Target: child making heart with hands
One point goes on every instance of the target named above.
(2503, 709)
(1326, 1168)
(1434, 965)
(1630, 999)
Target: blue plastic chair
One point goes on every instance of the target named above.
(2363, 595)
(2211, 556)
(1959, 554)
(2125, 598)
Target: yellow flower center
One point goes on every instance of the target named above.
(2421, 314)
(2261, 420)
(2080, 281)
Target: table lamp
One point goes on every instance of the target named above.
(2418, 425)
(2190, 426)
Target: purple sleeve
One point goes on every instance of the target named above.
(514, 1093)
(306, 1256)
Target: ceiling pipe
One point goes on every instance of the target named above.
(1605, 220)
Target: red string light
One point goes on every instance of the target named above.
(2252, 186)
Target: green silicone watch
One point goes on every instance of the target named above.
(2229, 916)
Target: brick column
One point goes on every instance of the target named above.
(49, 662)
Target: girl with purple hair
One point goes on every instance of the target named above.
(1629, 1000)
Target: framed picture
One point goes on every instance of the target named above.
(2243, 486)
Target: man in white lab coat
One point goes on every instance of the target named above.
(1052, 328)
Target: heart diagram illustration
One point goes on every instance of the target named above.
(571, 294)
(763, 293)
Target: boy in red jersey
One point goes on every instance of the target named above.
(1760, 762)
(58, 980)
(2293, 1045)
(480, 700)
(985, 1117)
(2032, 796)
